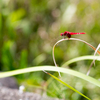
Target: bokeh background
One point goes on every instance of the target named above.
(30, 28)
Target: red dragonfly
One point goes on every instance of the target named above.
(68, 34)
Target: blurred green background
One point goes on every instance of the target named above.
(30, 28)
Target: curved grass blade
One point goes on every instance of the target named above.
(71, 39)
(51, 68)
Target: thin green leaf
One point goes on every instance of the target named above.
(68, 86)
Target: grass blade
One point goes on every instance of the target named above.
(51, 68)
(89, 57)
(67, 85)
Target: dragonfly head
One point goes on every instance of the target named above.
(62, 34)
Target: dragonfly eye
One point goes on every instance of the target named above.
(62, 34)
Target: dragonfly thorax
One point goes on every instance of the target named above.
(67, 34)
